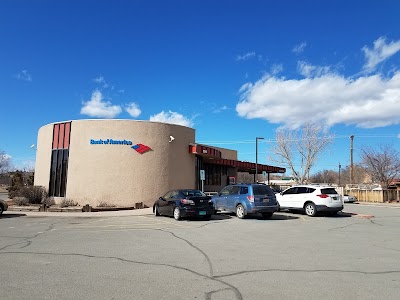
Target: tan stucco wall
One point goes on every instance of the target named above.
(43, 156)
(227, 153)
(117, 174)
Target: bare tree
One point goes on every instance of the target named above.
(382, 164)
(4, 162)
(325, 176)
(299, 149)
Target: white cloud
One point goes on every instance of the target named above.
(24, 75)
(276, 69)
(299, 48)
(308, 70)
(379, 53)
(133, 109)
(172, 118)
(245, 56)
(102, 81)
(98, 108)
(221, 109)
(368, 102)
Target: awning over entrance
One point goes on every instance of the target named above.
(213, 156)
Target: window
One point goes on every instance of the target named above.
(301, 190)
(244, 190)
(167, 195)
(328, 191)
(213, 174)
(59, 159)
(235, 190)
(310, 190)
(225, 191)
(262, 190)
(290, 191)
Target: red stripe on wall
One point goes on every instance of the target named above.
(61, 136)
(56, 128)
(66, 135)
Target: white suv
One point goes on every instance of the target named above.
(311, 199)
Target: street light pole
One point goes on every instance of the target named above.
(257, 138)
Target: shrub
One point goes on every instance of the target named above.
(68, 202)
(20, 201)
(35, 194)
(48, 201)
(17, 183)
(106, 204)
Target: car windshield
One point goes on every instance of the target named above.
(192, 193)
(328, 191)
(262, 190)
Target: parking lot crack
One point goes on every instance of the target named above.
(196, 248)
(237, 293)
(309, 271)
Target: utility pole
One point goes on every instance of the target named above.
(351, 160)
(339, 172)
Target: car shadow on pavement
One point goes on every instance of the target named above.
(8, 216)
(275, 217)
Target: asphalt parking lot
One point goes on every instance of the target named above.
(291, 256)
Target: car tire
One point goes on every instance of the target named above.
(240, 212)
(1, 209)
(267, 215)
(156, 212)
(177, 213)
(279, 206)
(310, 209)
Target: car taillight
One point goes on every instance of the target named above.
(187, 201)
(323, 196)
(250, 198)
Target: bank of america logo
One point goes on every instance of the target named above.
(141, 148)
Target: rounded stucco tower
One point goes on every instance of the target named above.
(120, 162)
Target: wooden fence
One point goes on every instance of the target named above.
(375, 196)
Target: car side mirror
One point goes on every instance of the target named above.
(161, 198)
(281, 193)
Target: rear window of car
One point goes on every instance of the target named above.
(262, 190)
(192, 193)
(328, 191)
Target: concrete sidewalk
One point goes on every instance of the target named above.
(103, 214)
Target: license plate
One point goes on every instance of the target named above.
(202, 213)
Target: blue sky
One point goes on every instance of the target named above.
(233, 70)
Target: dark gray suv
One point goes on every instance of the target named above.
(244, 199)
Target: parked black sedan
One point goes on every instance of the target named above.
(184, 203)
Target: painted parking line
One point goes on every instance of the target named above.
(136, 223)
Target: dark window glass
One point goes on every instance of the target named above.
(53, 175)
(64, 169)
(225, 191)
(301, 190)
(244, 190)
(262, 190)
(167, 195)
(235, 190)
(289, 191)
(310, 190)
(328, 191)
(213, 174)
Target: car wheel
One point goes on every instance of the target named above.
(177, 213)
(310, 209)
(267, 215)
(240, 211)
(156, 212)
